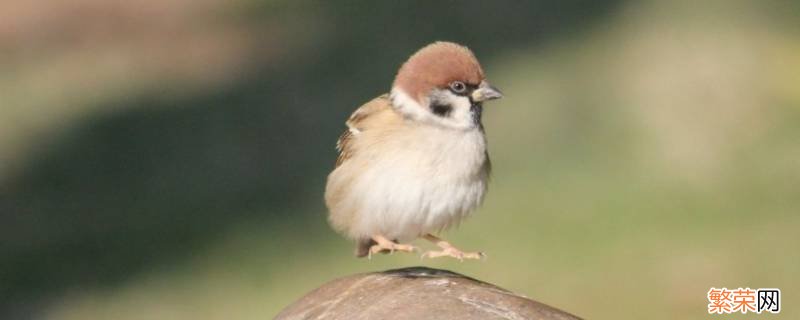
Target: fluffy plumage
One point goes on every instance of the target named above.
(413, 162)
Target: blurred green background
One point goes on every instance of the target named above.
(166, 159)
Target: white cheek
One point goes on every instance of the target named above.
(460, 116)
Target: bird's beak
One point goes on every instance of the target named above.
(486, 92)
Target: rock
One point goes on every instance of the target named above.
(416, 293)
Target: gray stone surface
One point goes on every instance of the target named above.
(416, 293)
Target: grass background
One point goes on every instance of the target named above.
(169, 162)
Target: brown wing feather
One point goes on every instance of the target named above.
(355, 127)
(342, 146)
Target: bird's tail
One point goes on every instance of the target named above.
(362, 247)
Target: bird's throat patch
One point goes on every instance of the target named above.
(477, 111)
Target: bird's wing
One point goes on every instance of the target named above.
(357, 123)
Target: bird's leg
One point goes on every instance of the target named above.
(382, 244)
(449, 250)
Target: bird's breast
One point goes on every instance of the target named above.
(435, 154)
(421, 181)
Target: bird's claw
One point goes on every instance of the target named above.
(455, 253)
(390, 248)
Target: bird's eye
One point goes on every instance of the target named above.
(458, 86)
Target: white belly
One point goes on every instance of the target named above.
(423, 185)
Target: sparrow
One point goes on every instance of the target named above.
(414, 162)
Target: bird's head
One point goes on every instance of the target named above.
(442, 84)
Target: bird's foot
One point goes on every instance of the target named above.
(448, 250)
(455, 253)
(384, 245)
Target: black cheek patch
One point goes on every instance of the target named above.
(441, 110)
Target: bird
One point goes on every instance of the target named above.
(414, 162)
